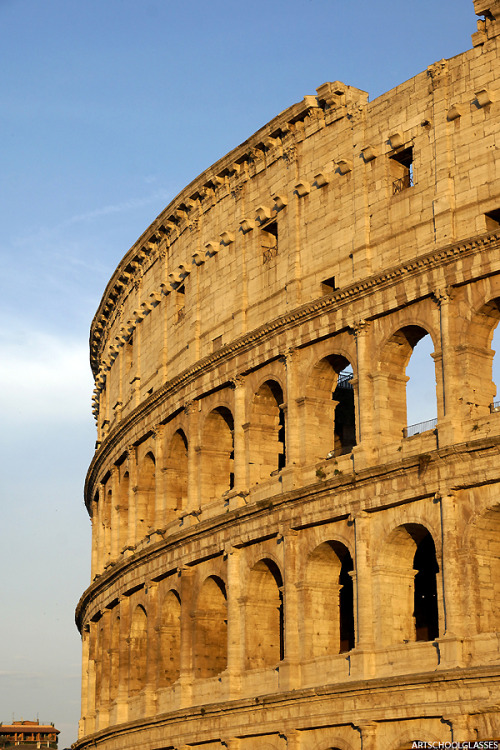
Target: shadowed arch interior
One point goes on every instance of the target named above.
(177, 472)
(267, 432)
(218, 454)
(264, 622)
(210, 634)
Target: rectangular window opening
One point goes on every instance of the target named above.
(216, 343)
(269, 241)
(328, 285)
(402, 170)
(492, 220)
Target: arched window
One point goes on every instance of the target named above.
(406, 582)
(421, 398)
(218, 454)
(170, 638)
(495, 369)
(138, 650)
(330, 422)
(177, 472)
(210, 640)
(264, 616)
(267, 432)
(328, 601)
(392, 380)
(145, 501)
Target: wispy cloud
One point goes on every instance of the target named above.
(116, 208)
(43, 378)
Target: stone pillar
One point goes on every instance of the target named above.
(193, 502)
(368, 736)
(123, 660)
(151, 687)
(91, 682)
(83, 726)
(101, 540)
(115, 513)
(187, 635)
(290, 667)
(160, 489)
(132, 498)
(103, 706)
(363, 396)
(240, 456)
(94, 565)
(362, 657)
(452, 604)
(235, 650)
(292, 424)
(293, 740)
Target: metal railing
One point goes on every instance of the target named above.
(416, 429)
(344, 380)
(495, 406)
(402, 183)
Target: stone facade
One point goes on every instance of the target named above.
(278, 562)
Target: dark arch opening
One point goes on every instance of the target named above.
(425, 590)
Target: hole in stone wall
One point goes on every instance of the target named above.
(402, 170)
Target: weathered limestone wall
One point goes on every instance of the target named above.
(279, 560)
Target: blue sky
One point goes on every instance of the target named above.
(107, 109)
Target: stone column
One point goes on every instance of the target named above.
(101, 540)
(160, 490)
(452, 602)
(290, 667)
(193, 501)
(362, 657)
(91, 682)
(151, 686)
(235, 650)
(83, 724)
(292, 426)
(363, 394)
(103, 707)
(94, 565)
(123, 660)
(368, 736)
(132, 472)
(115, 513)
(186, 656)
(240, 456)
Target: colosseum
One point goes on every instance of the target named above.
(279, 561)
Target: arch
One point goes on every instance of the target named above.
(406, 578)
(145, 498)
(170, 638)
(210, 629)
(138, 651)
(482, 365)
(176, 465)
(264, 617)
(392, 379)
(267, 432)
(485, 538)
(328, 601)
(217, 454)
(330, 409)
(421, 392)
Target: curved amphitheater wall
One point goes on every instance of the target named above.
(278, 559)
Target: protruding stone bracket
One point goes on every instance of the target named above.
(198, 259)
(396, 139)
(454, 112)
(483, 98)
(369, 153)
(280, 201)
(344, 166)
(263, 213)
(302, 188)
(227, 238)
(212, 248)
(246, 225)
(321, 179)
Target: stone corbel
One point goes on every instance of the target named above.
(280, 201)
(321, 179)
(212, 248)
(198, 259)
(302, 188)
(344, 166)
(246, 225)
(396, 139)
(263, 213)
(369, 153)
(483, 97)
(227, 238)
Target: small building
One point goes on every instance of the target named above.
(28, 734)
